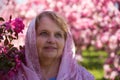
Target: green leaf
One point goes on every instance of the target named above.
(1, 30)
(14, 48)
(10, 17)
(11, 45)
(1, 19)
(6, 42)
(10, 37)
(1, 37)
(16, 34)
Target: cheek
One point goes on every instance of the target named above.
(39, 44)
(62, 44)
(40, 41)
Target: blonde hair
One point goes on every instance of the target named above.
(55, 17)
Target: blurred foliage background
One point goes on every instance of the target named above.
(93, 23)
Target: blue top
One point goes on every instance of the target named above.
(52, 78)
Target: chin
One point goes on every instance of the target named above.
(52, 55)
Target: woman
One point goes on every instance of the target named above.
(49, 51)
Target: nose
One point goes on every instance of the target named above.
(51, 39)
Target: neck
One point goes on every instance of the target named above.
(46, 63)
(50, 68)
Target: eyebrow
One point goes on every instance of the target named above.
(60, 31)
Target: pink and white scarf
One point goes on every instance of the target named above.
(69, 69)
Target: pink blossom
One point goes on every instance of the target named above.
(8, 25)
(99, 44)
(105, 38)
(11, 74)
(18, 25)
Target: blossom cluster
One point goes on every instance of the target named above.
(10, 56)
(93, 23)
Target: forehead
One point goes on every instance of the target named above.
(48, 24)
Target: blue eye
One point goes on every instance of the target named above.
(58, 35)
(43, 34)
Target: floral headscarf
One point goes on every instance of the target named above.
(68, 70)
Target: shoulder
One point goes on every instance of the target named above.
(24, 73)
(84, 74)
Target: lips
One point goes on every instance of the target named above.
(50, 48)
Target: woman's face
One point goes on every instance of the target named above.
(50, 39)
